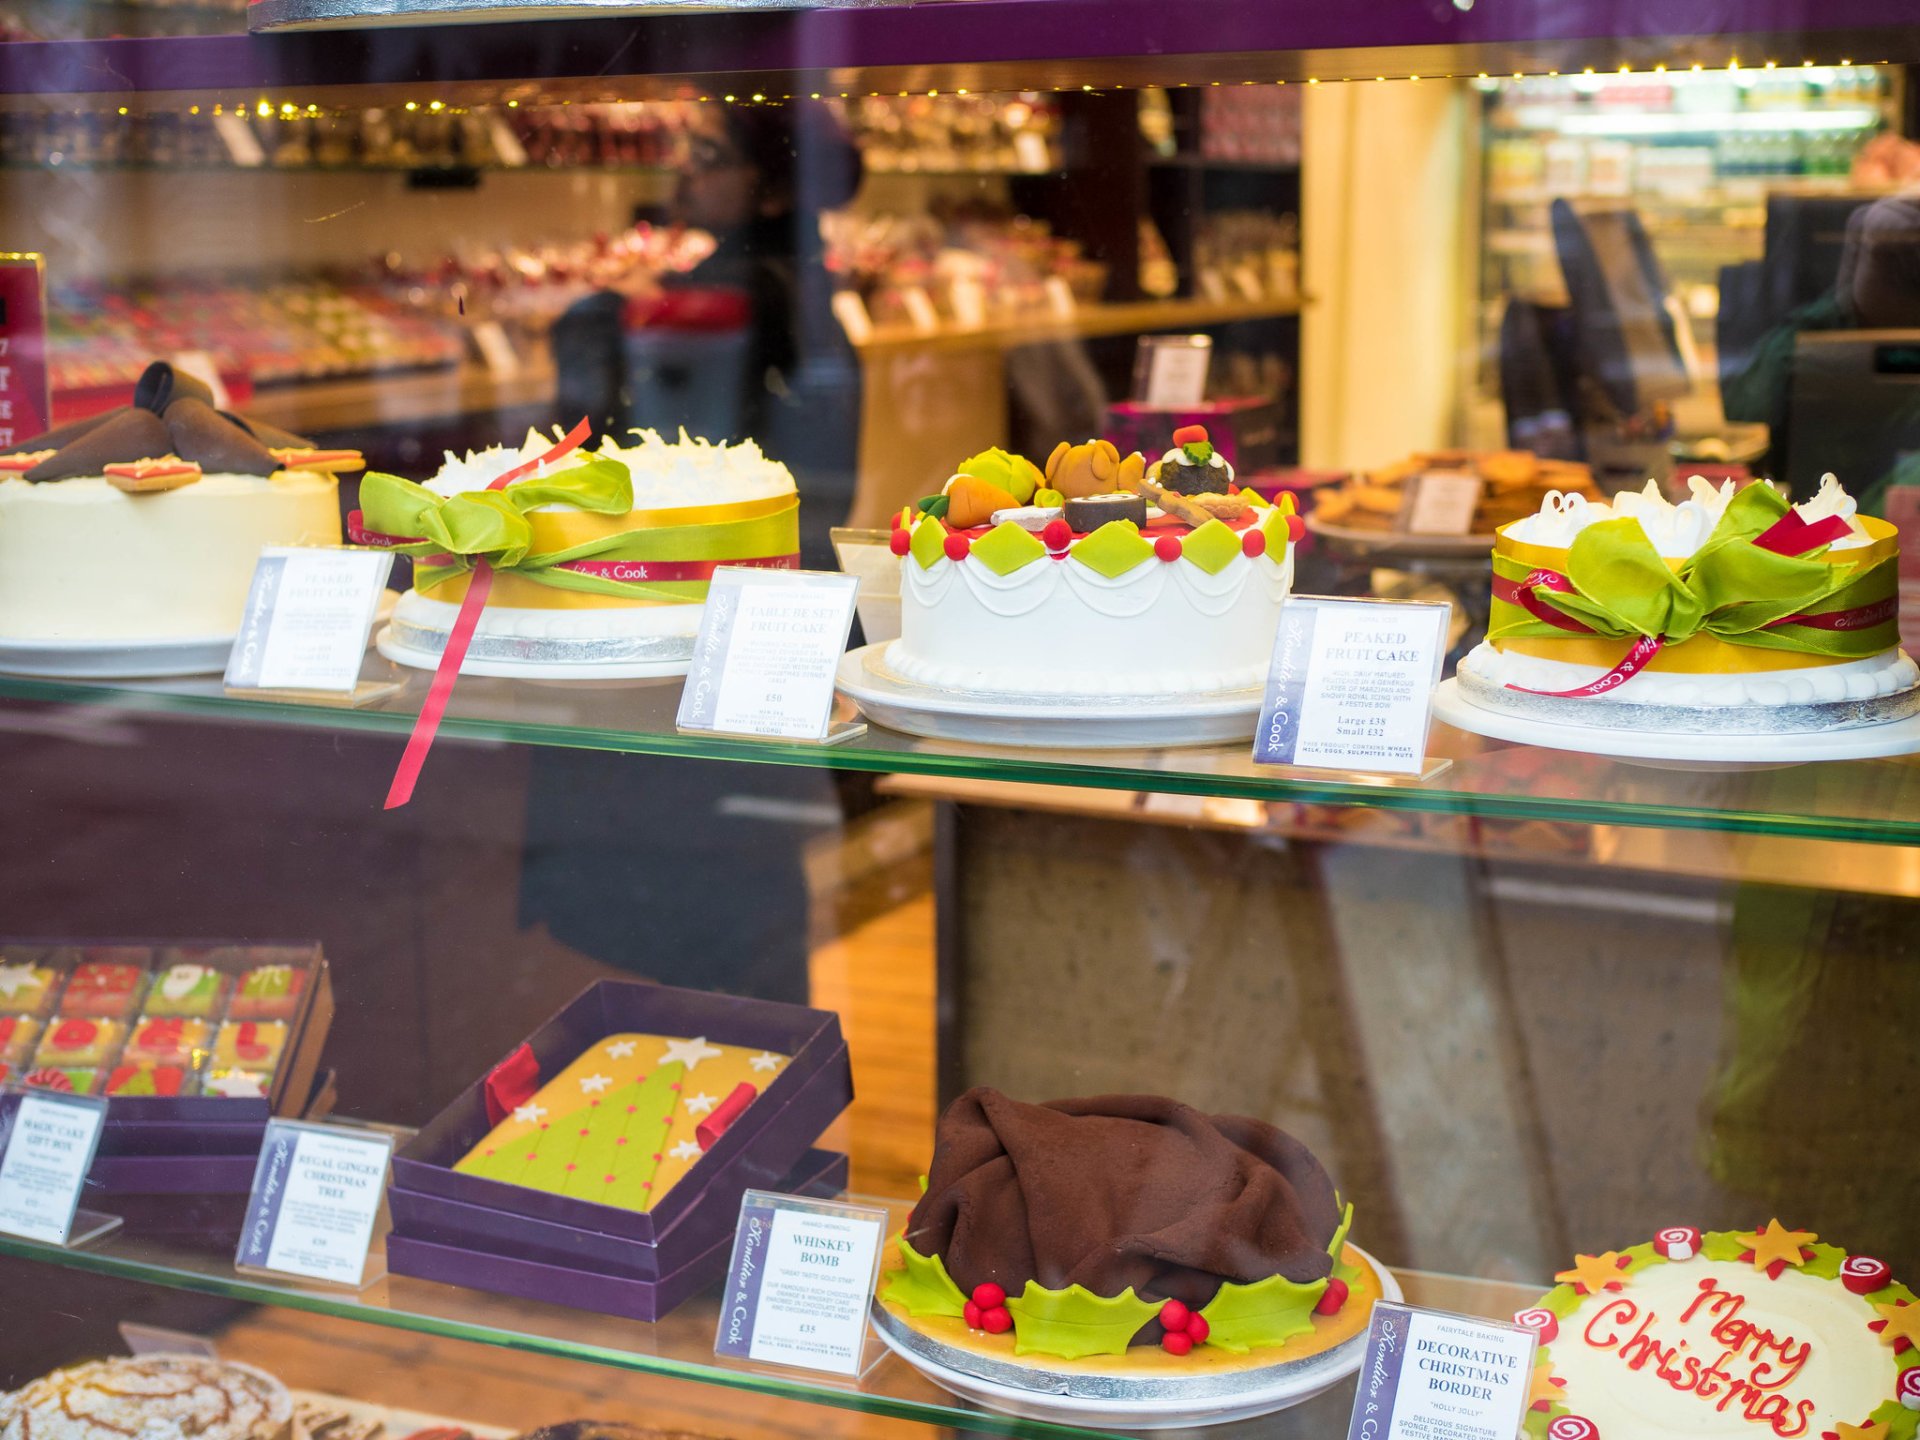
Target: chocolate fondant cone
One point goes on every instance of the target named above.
(160, 384)
(201, 433)
(71, 431)
(272, 436)
(132, 434)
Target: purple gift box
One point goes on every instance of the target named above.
(492, 1235)
(820, 1173)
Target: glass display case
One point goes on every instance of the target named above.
(1088, 334)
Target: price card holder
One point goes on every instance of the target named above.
(851, 311)
(763, 663)
(798, 1285)
(1428, 1373)
(304, 632)
(921, 312)
(1351, 685)
(319, 1193)
(1441, 502)
(47, 1143)
(1170, 371)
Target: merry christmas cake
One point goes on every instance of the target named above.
(143, 524)
(626, 1121)
(1101, 576)
(1124, 1235)
(598, 557)
(1730, 612)
(1733, 1334)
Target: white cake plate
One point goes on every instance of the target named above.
(1114, 723)
(116, 659)
(1703, 752)
(400, 654)
(1264, 1391)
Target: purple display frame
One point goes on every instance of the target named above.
(609, 1007)
(928, 44)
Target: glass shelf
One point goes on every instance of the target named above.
(1867, 800)
(681, 1346)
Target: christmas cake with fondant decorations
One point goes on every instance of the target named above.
(1124, 1235)
(1731, 612)
(596, 557)
(625, 1122)
(1098, 577)
(1736, 1334)
(143, 524)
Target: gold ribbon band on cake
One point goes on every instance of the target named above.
(597, 553)
(1764, 592)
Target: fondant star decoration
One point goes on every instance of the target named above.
(685, 1150)
(620, 1049)
(1778, 1245)
(1593, 1273)
(14, 977)
(689, 1052)
(1872, 1430)
(700, 1104)
(594, 1084)
(530, 1114)
(1545, 1392)
(765, 1061)
(1897, 1323)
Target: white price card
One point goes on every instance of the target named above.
(1172, 370)
(1441, 502)
(802, 1274)
(47, 1140)
(769, 643)
(308, 614)
(317, 1193)
(1428, 1375)
(1351, 684)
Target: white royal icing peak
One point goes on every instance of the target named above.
(1676, 530)
(667, 474)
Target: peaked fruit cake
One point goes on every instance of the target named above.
(1730, 612)
(1101, 576)
(1735, 1334)
(599, 557)
(1125, 1234)
(144, 523)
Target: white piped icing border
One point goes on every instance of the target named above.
(1888, 673)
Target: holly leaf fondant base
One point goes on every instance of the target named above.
(1269, 1312)
(923, 1285)
(1075, 1322)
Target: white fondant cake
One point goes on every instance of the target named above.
(83, 561)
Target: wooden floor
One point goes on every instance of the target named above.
(872, 961)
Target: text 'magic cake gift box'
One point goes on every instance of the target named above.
(601, 1165)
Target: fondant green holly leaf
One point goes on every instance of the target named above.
(934, 505)
(1562, 1300)
(1267, 1312)
(923, 1285)
(1901, 1422)
(1640, 1257)
(1112, 550)
(1826, 1262)
(1336, 1248)
(1007, 547)
(1723, 1245)
(1212, 547)
(1074, 1322)
(929, 543)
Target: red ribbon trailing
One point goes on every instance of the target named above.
(636, 571)
(441, 691)
(1789, 535)
(511, 1084)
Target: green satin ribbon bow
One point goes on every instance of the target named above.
(1730, 588)
(489, 525)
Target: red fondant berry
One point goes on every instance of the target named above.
(1197, 1328)
(1167, 547)
(1253, 542)
(1174, 1315)
(972, 1315)
(1335, 1297)
(957, 547)
(1189, 434)
(1296, 529)
(900, 542)
(1177, 1342)
(1057, 535)
(989, 1296)
(997, 1321)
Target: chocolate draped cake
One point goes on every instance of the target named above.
(1117, 1192)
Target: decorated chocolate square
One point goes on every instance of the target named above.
(79, 1040)
(147, 1077)
(67, 1079)
(104, 987)
(236, 1084)
(187, 988)
(176, 1038)
(26, 985)
(17, 1033)
(268, 992)
(249, 1045)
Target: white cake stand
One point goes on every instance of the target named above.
(116, 659)
(1125, 722)
(388, 645)
(1864, 742)
(1049, 1395)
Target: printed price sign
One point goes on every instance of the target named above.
(798, 1286)
(307, 617)
(1433, 1376)
(47, 1140)
(1351, 684)
(764, 660)
(26, 401)
(1441, 502)
(317, 1193)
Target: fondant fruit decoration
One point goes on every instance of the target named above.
(1189, 435)
(972, 502)
(1094, 468)
(1678, 1242)
(1184, 1328)
(1573, 1427)
(987, 1310)
(1332, 1298)
(1541, 1321)
(1014, 474)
